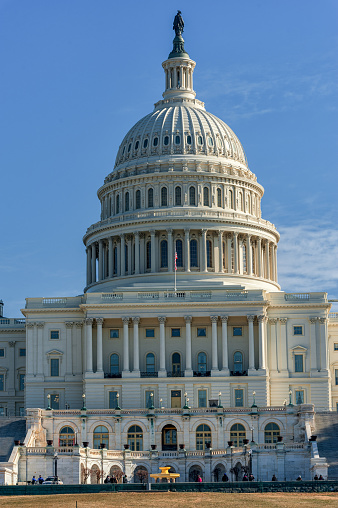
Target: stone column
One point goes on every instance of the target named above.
(110, 258)
(273, 259)
(259, 256)
(283, 349)
(220, 251)
(10, 388)
(129, 243)
(153, 252)
(188, 358)
(204, 251)
(69, 348)
(170, 251)
(267, 259)
(261, 328)
(35, 349)
(99, 353)
(273, 344)
(125, 345)
(162, 371)
(40, 351)
(225, 358)
(248, 255)
(30, 350)
(251, 343)
(122, 255)
(89, 264)
(89, 344)
(118, 257)
(136, 321)
(100, 259)
(77, 357)
(186, 250)
(214, 352)
(323, 344)
(93, 257)
(314, 367)
(137, 252)
(229, 264)
(236, 253)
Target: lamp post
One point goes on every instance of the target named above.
(252, 431)
(117, 401)
(55, 464)
(219, 400)
(185, 401)
(83, 402)
(48, 408)
(290, 398)
(161, 402)
(254, 399)
(151, 401)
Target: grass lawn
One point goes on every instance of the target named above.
(173, 499)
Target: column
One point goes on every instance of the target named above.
(314, 366)
(137, 252)
(118, 257)
(136, 321)
(229, 263)
(235, 252)
(187, 250)
(29, 345)
(89, 273)
(283, 349)
(188, 358)
(122, 255)
(110, 258)
(170, 250)
(35, 349)
(273, 344)
(267, 259)
(129, 243)
(99, 353)
(273, 259)
(220, 251)
(100, 259)
(77, 357)
(40, 352)
(204, 250)
(11, 374)
(93, 256)
(69, 348)
(162, 372)
(261, 329)
(225, 359)
(251, 343)
(248, 255)
(323, 345)
(214, 355)
(259, 256)
(142, 252)
(153, 251)
(125, 345)
(89, 344)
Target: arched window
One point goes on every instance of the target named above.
(137, 145)
(205, 196)
(203, 437)
(179, 252)
(176, 364)
(177, 140)
(178, 196)
(135, 438)
(209, 253)
(231, 199)
(240, 201)
(271, 433)
(117, 203)
(237, 434)
(66, 437)
(126, 202)
(166, 140)
(192, 196)
(238, 362)
(114, 364)
(219, 198)
(150, 363)
(202, 362)
(188, 139)
(200, 140)
(101, 436)
(129, 147)
(164, 196)
(145, 143)
(138, 200)
(148, 255)
(210, 141)
(150, 198)
(169, 438)
(164, 254)
(155, 141)
(193, 254)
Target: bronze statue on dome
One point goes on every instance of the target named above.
(178, 25)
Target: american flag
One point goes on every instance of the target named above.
(175, 261)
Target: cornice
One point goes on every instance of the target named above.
(301, 306)
(166, 304)
(40, 310)
(13, 330)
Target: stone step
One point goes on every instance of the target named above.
(327, 431)
(11, 429)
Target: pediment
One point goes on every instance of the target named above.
(55, 352)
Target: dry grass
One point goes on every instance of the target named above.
(175, 499)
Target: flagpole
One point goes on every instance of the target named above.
(175, 270)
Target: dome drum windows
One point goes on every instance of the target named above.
(206, 199)
(138, 200)
(164, 253)
(192, 196)
(178, 196)
(150, 198)
(164, 196)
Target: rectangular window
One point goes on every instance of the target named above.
(114, 334)
(201, 332)
(22, 382)
(299, 367)
(239, 398)
(55, 334)
(113, 399)
(55, 401)
(297, 330)
(22, 351)
(2, 352)
(21, 411)
(336, 376)
(54, 367)
(176, 399)
(237, 331)
(2, 382)
(150, 333)
(149, 400)
(299, 396)
(202, 398)
(335, 346)
(2, 411)
(176, 332)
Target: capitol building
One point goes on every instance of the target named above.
(183, 350)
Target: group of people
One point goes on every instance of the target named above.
(113, 479)
(39, 481)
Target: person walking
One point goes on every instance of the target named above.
(225, 478)
(274, 478)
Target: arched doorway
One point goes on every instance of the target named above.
(169, 437)
(140, 475)
(218, 472)
(95, 475)
(237, 472)
(194, 472)
(116, 472)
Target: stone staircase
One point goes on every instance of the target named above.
(10, 429)
(327, 440)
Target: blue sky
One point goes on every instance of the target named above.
(77, 74)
